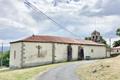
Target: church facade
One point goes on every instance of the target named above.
(39, 50)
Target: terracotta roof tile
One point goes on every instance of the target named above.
(114, 48)
(39, 38)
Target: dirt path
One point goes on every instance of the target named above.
(65, 72)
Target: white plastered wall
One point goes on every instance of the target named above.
(60, 52)
(75, 52)
(116, 51)
(98, 51)
(15, 62)
(31, 57)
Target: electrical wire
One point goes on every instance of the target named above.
(29, 4)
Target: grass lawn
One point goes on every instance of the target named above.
(24, 74)
(106, 69)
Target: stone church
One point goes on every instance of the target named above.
(39, 50)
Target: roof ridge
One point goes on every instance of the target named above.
(56, 39)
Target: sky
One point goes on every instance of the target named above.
(81, 17)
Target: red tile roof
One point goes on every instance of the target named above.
(56, 39)
(114, 48)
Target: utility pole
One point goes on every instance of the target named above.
(110, 45)
(95, 24)
(1, 54)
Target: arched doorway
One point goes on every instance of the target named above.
(80, 53)
(69, 53)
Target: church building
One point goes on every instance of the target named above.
(39, 50)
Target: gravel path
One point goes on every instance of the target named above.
(64, 72)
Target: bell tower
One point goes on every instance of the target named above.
(95, 36)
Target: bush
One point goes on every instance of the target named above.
(5, 58)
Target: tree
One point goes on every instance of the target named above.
(118, 32)
(87, 38)
(5, 58)
(103, 41)
(116, 43)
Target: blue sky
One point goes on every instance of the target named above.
(79, 16)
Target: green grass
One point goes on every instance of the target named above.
(24, 74)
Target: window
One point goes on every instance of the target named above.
(117, 50)
(39, 52)
(92, 50)
(14, 54)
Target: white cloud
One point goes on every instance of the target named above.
(16, 14)
(110, 41)
(79, 16)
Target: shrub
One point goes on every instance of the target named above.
(5, 58)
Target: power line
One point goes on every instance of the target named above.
(59, 25)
